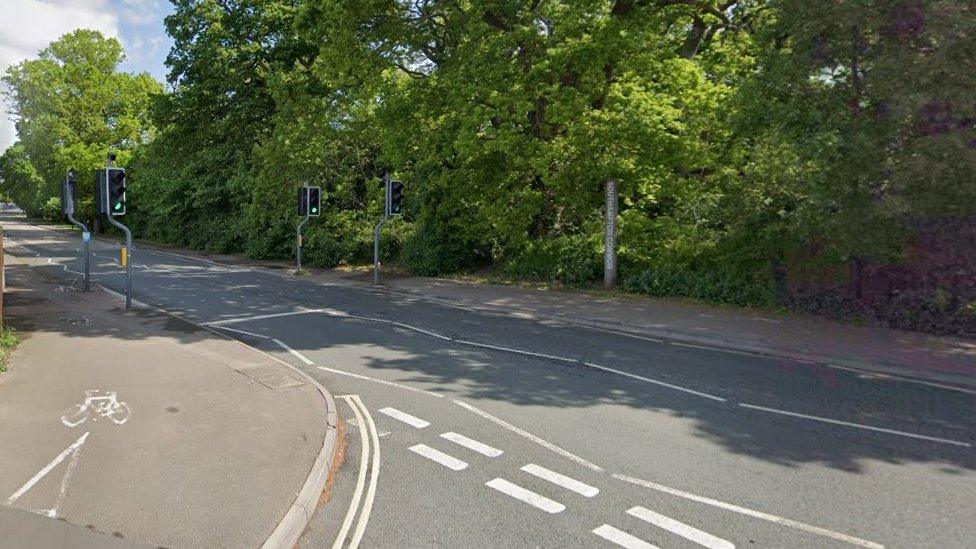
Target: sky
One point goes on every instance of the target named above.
(28, 26)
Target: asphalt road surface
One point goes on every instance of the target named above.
(468, 429)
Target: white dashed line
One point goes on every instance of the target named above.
(856, 425)
(789, 523)
(688, 532)
(527, 496)
(622, 538)
(472, 444)
(516, 351)
(561, 480)
(545, 444)
(450, 462)
(405, 417)
(655, 382)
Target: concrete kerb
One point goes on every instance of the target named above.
(288, 531)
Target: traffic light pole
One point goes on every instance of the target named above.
(379, 226)
(298, 242)
(128, 240)
(85, 234)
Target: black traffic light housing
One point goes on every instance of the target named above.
(396, 197)
(302, 200)
(114, 203)
(116, 191)
(309, 201)
(314, 201)
(69, 194)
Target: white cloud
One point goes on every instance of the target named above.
(28, 26)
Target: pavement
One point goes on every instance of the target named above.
(124, 428)
(470, 427)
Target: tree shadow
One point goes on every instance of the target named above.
(207, 293)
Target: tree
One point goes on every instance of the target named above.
(71, 105)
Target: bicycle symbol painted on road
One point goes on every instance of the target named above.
(97, 404)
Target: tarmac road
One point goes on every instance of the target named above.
(466, 429)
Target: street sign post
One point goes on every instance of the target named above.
(610, 236)
(112, 202)
(68, 196)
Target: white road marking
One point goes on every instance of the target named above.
(622, 538)
(789, 523)
(856, 425)
(421, 330)
(373, 479)
(655, 382)
(527, 496)
(260, 317)
(561, 480)
(53, 512)
(448, 461)
(241, 332)
(405, 417)
(284, 346)
(381, 381)
(472, 444)
(548, 445)
(688, 532)
(360, 479)
(47, 468)
(516, 351)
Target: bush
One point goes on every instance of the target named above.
(570, 259)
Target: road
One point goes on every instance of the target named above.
(469, 429)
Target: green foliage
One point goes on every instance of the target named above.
(744, 134)
(71, 105)
(8, 342)
(569, 259)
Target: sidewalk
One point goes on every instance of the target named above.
(148, 429)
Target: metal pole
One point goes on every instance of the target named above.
(128, 240)
(85, 238)
(298, 243)
(610, 237)
(376, 230)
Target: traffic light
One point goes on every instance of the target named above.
(116, 191)
(314, 201)
(302, 200)
(68, 194)
(396, 197)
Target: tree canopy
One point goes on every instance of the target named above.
(813, 155)
(71, 104)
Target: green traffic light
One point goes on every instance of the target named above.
(315, 210)
(118, 205)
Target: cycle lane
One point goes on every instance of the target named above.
(145, 428)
